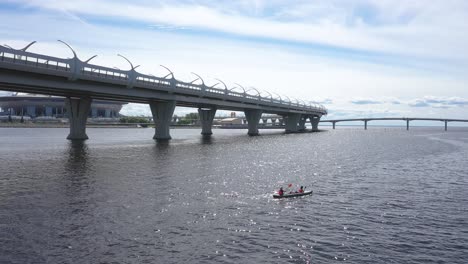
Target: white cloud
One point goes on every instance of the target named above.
(439, 102)
(415, 28)
(366, 101)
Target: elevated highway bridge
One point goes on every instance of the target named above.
(81, 82)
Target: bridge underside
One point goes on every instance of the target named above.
(162, 104)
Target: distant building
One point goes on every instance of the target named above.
(40, 106)
(230, 121)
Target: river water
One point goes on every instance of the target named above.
(385, 195)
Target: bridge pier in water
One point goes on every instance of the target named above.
(333, 123)
(445, 124)
(302, 122)
(77, 111)
(162, 116)
(365, 124)
(253, 118)
(407, 124)
(291, 121)
(314, 121)
(206, 116)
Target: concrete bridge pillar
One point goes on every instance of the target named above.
(77, 111)
(291, 123)
(407, 124)
(333, 123)
(445, 125)
(281, 121)
(365, 124)
(273, 121)
(162, 116)
(302, 122)
(206, 119)
(253, 117)
(265, 121)
(314, 122)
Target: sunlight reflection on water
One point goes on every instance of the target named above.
(380, 196)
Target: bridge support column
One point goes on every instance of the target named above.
(162, 116)
(253, 117)
(333, 123)
(314, 121)
(445, 125)
(206, 119)
(291, 121)
(302, 122)
(77, 111)
(407, 124)
(365, 124)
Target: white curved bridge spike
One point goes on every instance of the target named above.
(29, 45)
(253, 88)
(23, 49)
(199, 77)
(225, 86)
(281, 99)
(240, 87)
(131, 64)
(90, 58)
(271, 96)
(170, 72)
(74, 53)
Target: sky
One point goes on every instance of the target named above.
(359, 58)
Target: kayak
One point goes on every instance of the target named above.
(291, 195)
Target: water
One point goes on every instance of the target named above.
(384, 195)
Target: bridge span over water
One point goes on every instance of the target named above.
(81, 82)
(407, 119)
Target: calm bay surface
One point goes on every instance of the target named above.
(385, 195)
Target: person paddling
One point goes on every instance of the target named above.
(301, 190)
(281, 192)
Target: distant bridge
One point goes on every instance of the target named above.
(407, 119)
(81, 82)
